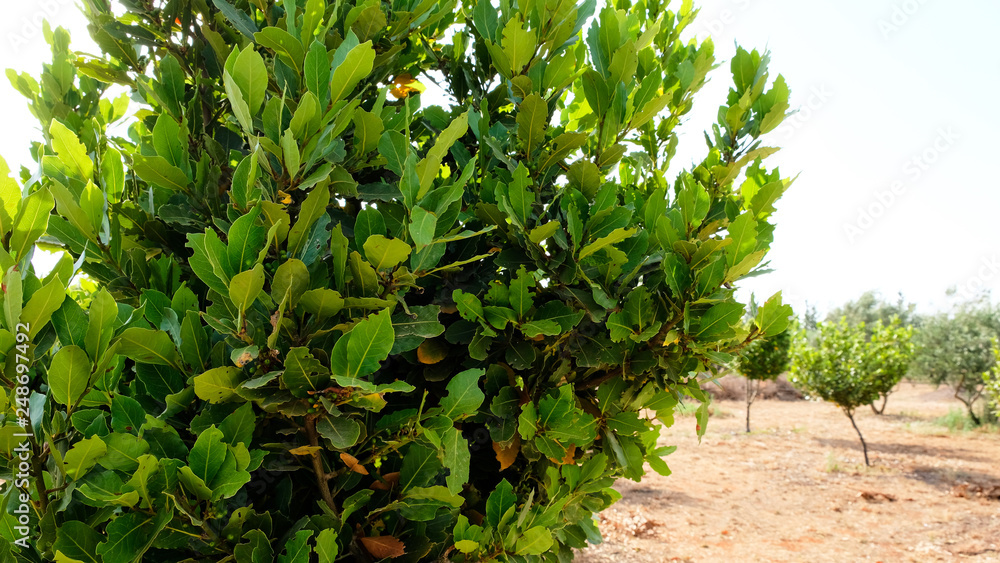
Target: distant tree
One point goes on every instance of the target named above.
(890, 351)
(872, 307)
(811, 317)
(763, 360)
(843, 367)
(991, 380)
(955, 348)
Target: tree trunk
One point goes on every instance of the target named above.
(864, 446)
(885, 399)
(749, 399)
(970, 402)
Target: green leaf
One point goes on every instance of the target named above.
(615, 237)
(113, 174)
(518, 44)
(69, 375)
(291, 278)
(368, 345)
(240, 20)
(323, 303)
(367, 129)
(342, 432)
(217, 385)
(77, 541)
(456, 458)
(423, 223)
(103, 313)
(536, 327)
(428, 167)
(326, 546)
(290, 151)
(532, 118)
(157, 171)
(207, 454)
(71, 151)
(534, 541)
(304, 373)
(312, 209)
(38, 311)
(773, 317)
(30, 222)
(250, 76)
(297, 549)
(126, 414)
(131, 534)
(542, 232)
(147, 346)
(385, 253)
(246, 240)
(500, 501)
(124, 451)
(246, 286)
(286, 46)
(83, 456)
(393, 146)
(12, 299)
(718, 322)
(356, 66)
(464, 395)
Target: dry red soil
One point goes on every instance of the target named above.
(797, 489)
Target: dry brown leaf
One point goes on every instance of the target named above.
(381, 547)
(244, 359)
(389, 480)
(506, 456)
(353, 464)
(304, 450)
(431, 352)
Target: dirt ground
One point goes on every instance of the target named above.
(796, 488)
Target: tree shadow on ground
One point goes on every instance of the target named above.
(641, 495)
(904, 449)
(946, 478)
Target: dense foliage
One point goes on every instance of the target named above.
(763, 360)
(955, 348)
(871, 307)
(844, 367)
(336, 323)
(992, 381)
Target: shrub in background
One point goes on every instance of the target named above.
(763, 360)
(335, 323)
(955, 348)
(845, 368)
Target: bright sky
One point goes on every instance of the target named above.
(894, 138)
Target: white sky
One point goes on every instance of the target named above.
(879, 83)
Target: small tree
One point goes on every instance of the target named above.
(956, 348)
(763, 360)
(836, 368)
(890, 351)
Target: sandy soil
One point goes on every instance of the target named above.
(796, 489)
